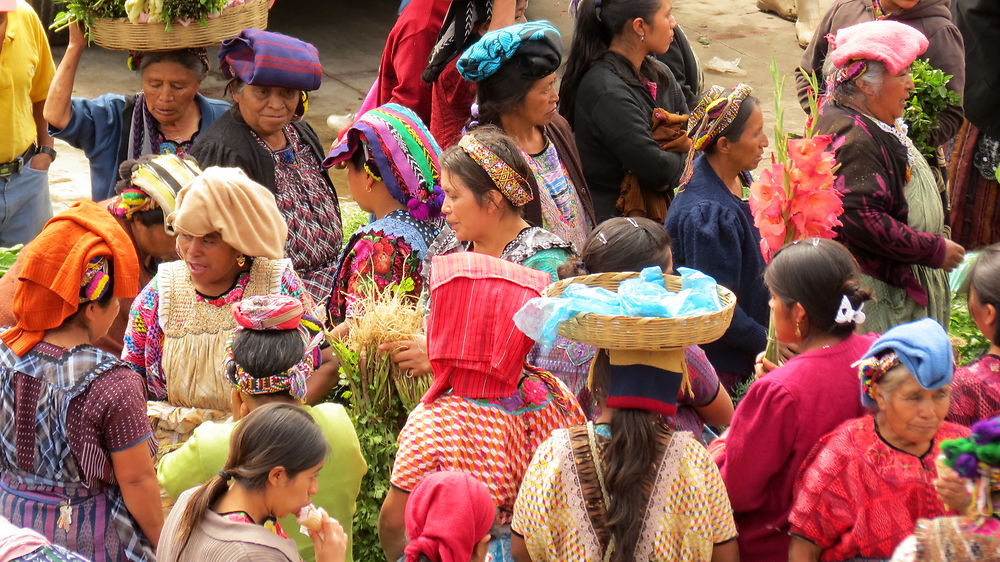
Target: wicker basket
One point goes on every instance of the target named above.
(121, 34)
(629, 332)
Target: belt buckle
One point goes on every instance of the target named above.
(15, 166)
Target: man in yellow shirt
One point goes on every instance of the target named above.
(26, 69)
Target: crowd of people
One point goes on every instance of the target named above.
(168, 390)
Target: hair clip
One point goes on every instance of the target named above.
(602, 238)
(847, 314)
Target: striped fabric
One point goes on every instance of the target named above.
(404, 153)
(42, 475)
(265, 58)
(472, 342)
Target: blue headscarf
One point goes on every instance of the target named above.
(922, 347)
(537, 43)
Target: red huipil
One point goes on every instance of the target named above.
(775, 426)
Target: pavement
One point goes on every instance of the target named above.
(350, 35)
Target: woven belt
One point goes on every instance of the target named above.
(15, 166)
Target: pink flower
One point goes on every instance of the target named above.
(535, 391)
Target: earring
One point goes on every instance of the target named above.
(642, 38)
(798, 331)
(241, 261)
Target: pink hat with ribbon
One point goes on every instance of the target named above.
(893, 43)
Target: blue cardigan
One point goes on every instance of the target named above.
(713, 232)
(96, 129)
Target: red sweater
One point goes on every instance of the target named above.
(775, 426)
(405, 56)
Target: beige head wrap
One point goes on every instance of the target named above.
(242, 211)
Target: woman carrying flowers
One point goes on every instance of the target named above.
(893, 222)
(487, 409)
(712, 227)
(392, 172)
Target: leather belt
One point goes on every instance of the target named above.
(15, 166)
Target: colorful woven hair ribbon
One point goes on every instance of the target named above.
(872, 369)
(155, 183)
(710, 119)
(96, 279)
(514, 187)
(269, 312)
(293, 380)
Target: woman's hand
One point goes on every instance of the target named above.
(330, 542)
(409, 355)
(76, 38)
(951, 489)
(953, 255)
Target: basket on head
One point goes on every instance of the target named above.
(652, 334)
(123, 35)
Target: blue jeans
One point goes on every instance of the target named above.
(24, 205)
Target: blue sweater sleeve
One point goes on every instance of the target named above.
(95, 128)
(709, 239)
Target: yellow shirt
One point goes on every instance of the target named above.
(26, 69)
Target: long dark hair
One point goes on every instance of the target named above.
(817, 273)
(270, 436)
(626, 460)
(591, 40)
(620, 244)
(985, 279)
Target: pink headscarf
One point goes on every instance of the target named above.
(893, 43)
(447, 515)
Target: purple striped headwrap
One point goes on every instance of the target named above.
(265, 58)
(404, 153)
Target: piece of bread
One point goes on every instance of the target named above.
(311, 518)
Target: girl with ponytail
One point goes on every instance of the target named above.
(609, 93)
(275, 456)
(817, 301)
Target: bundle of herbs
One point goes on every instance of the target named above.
(929, 98)
(378, 396)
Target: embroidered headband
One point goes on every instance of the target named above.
(96, 279)
(713, 115)
(847, 314)
(872, 369)
(514, 187)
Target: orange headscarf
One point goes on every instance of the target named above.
(54, 264)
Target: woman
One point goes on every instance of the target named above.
(712, 227)
(146, 192)
(893, 222)
(392, 173)
(626, 487)
(975, 536)
(487, 183)
(975, 393)
(274, 458)
(515, 73)
(632, 244)
(864, 485)
(449, 517)
(264, 135)
(817, 300)
(166, 117)
(230, 238)
(268, 362)
(487, 410)
(609, 93)
(76, 447)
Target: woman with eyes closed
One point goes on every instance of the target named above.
(165, 117)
